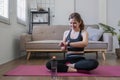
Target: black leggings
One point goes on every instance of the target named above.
(80, 63)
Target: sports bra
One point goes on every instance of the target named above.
(79, 38)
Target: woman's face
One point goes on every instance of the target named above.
(74, 24)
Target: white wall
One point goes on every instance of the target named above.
(102, 11)
(96, 11)
(63, 8)
(92, 12)
(10, 35)
(113, 12)
(89, 10)
(113, 16)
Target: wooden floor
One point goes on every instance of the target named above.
(110, 60)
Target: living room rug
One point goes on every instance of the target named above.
(40, 70)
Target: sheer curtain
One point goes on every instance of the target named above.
(21, 11)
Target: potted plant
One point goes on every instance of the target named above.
(118, 49)
(109, 29)
(119, 39)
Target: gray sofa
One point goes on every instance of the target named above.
(46, 39)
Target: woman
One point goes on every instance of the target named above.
(74, 40)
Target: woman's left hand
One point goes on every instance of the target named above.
(63, 48)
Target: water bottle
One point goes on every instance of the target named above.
(54, 68)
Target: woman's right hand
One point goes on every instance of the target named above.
(61, 44)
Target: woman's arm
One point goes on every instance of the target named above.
(82, 43)
(63, 43)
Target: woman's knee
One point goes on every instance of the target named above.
(48, 65)
(88, 64)
(93, 64)
(60, 67)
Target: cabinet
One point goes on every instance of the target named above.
(39, 17)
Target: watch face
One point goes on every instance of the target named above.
(68, 41)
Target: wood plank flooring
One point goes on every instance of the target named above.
(110, 60)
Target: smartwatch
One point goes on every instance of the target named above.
(68, 43)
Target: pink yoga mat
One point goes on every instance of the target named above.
(40, 70)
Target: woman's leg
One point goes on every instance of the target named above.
(80, 63)
(87, 64)
(74, 58)
(61, 65)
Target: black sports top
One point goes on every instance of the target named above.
(79, 38)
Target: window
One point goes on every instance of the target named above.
(4, 11)
(21, 11)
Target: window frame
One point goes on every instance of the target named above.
(4, 19)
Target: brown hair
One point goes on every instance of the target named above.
(78, 18)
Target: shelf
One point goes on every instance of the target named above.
(39, 12)
(39, 17)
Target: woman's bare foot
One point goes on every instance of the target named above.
(70, 69)
(71, 65)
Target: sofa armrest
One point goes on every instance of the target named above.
(107, 37)
(23, 39)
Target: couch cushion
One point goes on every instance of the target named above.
(43, 44)
(97, 45)
(48, 32)
(94, 34)
(95, 26)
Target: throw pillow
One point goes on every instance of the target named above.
(94, 34)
